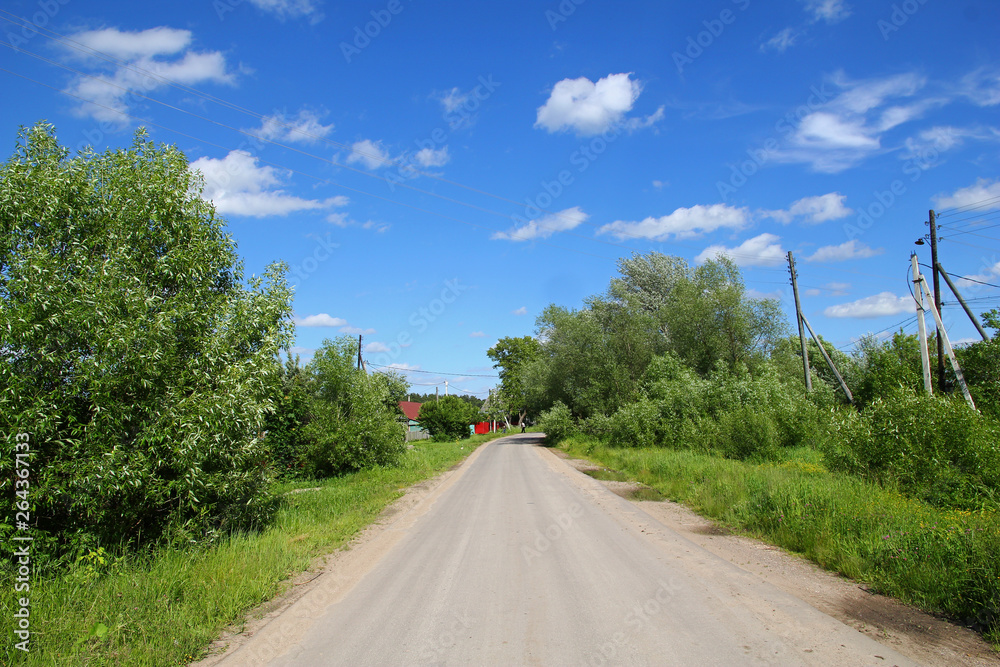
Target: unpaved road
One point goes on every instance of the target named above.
(519, 559)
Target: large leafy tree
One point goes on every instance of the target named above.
(512, 356)
(447, 418)
(134, 354)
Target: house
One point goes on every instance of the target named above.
(412, 412)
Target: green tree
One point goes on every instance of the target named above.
(512, 355)
(448, 418)
(135, 357)
(980, 363)
(354, 417)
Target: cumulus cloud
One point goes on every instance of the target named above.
(814, 210)
(369, 153)
(590, 108)
(238, 186)
(428, 157)
(291, 9)
(983, 194)
(150, 59)
(830, 11)
(304, 127)
(545, 226)
(879, 305)
(683, 223)
(320, 320)
(762, 250)
(841, 253)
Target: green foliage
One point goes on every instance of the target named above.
(512, 356)
(557, 423)
(980, 363)
(134, 355)
(354, 421)
(448, 418)
(284, 425)
(882, 367)
(935, 449)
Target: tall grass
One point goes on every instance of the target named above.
(944, 561)
(164, 608)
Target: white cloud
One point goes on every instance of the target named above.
(453, 100)
(354, 331)
(148, 65)
(545, 226)
(659, 185)
(982, 87)
(814, 210)
(777, 294)
(990, 274)
(520, 311)
(134, 45)
(762, 250)
(285, 9)
(590, 108)
(320, 320)
(428, 157)
(304, 127)
(683, 223)
(781, 41)
(237, 186)
(345, 220)
(850, 126)
(841, 253)
(879, 305)
(369, 153)
(831, 11)
(837, 289)
(477, 334)
(983, 194)
(376, 347)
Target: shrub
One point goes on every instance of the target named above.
(935, 449)
(448, 418)
(557, 423)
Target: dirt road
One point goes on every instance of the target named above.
(519, 559)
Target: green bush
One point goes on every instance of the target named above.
(354, 422)
(935, 449)
(134, 355)
(448, 418)
(557, 423)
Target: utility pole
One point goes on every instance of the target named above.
(958, 295)
(951, 352)
(925, 362)
(829, 362)
(445, 387)
(932, 221)
(436, 396)
(359, 352)
(798, 320)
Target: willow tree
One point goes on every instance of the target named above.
(134, 355)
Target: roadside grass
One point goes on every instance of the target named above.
(943, 561)
(165, 608)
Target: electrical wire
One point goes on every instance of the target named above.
(414, 370)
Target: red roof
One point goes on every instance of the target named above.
(410, 409)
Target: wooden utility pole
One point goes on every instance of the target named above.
(798, 320)
(947, 343)
(359, 352)
(932, 221)
(829, 362)
(968, 311)
(925, 362)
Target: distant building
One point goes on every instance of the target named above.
(412, 412)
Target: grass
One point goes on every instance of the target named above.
(167, 607)
(943, 561)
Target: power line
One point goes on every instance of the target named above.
(414, 370)
(983, 203)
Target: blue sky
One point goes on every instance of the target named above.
(437, 173)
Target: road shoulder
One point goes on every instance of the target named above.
(927, 639)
